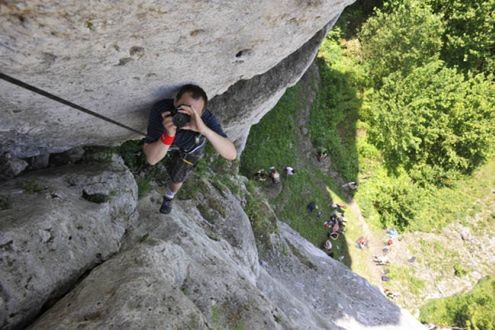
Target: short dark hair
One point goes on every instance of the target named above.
(196, 91)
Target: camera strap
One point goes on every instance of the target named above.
(200, 142)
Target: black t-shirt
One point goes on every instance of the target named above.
(184, 139)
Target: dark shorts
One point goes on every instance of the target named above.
(181, 165)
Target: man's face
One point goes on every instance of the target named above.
(187, 98)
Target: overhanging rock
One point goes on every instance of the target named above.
(118, 59)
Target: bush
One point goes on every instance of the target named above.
(401, 36)
(354, 16)
(334, 112)
(469, 40)
(398, 202)
(474, 310)
(434, 122)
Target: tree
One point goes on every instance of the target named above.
(401, 36)
(469, 40)
(435, 122)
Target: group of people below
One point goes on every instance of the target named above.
(273, 174)
(335, 225)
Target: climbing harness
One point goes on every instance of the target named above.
(65, 102)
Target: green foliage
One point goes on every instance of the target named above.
(192, 187)
(459, 270)
(434, 122)
(405, 275)
(355, 15)
(31, 186)
(273, 142)
(335, 110)
(473, 310)
(262, 218)
(436, 207)
(469, 40)
(98, 154)
(398, 201)
(144, 186)
(401, 36)
(428, 251)
(132, 153)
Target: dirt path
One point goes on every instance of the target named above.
(375, 244)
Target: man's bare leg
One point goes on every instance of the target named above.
(169, 196)
(174, 187)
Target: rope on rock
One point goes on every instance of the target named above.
(65, 102)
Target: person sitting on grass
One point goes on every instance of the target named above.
(350, 185)
(321, 154)
(183, 126)
(274, 175)
(328, 247)
(338, 207)
(311, 207)
(362, 242)
(289, 171)
(260, 175)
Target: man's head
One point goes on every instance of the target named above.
(192, 95)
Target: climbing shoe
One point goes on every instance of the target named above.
(166, 205)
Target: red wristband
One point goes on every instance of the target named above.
(167, 139)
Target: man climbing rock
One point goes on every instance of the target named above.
(183, 126)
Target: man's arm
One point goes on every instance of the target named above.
(155, 151)
(222, 145)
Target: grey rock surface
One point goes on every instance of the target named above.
(39, 162)
(10, 166)
(138, 289)
(177, 271)
(70, 156)
(253, 98)
(50, 234)
(199, 269)
(119, 59)
(327, 288)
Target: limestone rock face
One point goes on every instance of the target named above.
(253, 98)
(119, 58)
(178, 271)
(55, 225)
(322, 288)
(199, 268)
(10, 166)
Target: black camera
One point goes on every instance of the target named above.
(178, 118)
